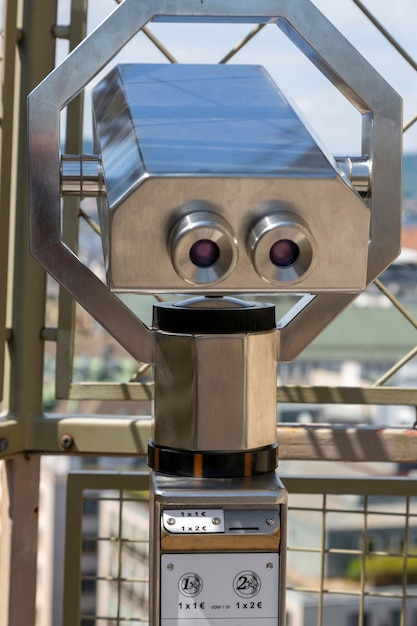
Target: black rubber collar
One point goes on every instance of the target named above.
(211, 464)
(198, 317)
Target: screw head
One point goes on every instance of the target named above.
(269, 566)
(216, 521)
(170, 567)
(171, 521)
(66, 441)
(270, 521)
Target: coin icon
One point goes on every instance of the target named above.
(190, 584)
(247, 584)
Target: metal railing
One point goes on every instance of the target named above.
(63, 338)
(352, 550)
(130, 389)
(30, 31)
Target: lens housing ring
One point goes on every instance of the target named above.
(286, 227)
(202, 226)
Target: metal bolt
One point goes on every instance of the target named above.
(269, 566)
(270, 521)
(216, 521)
(4, 444)
(171, 521)
(170, 567)
(67, 441)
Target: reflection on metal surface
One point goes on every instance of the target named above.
(244, 162)
(316, 37)
(248, 501)
(358, 170)
(81, 175)
(95, 434)
(210, 377)
(203, 248)
(282, 248)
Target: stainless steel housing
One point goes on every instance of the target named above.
(379, 105)
(191, 494)
(197, 228)
(260, 181)
(174, 137)
(215, 392)
(299, 248)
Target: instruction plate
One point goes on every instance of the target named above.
(225, 589)
(193, 521)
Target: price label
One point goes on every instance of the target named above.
(220, 588)
(193, 521)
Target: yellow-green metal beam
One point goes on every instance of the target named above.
(303, 394)
(306, 394)
(127, 436)
(29, 56)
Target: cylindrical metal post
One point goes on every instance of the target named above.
(216, 502)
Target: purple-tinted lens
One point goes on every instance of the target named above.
(284, 253)
(204, 253)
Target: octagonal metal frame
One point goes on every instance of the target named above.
(329, 51)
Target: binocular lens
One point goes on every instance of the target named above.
(203, 248)
(204, 253)
(281, 247)
(284, 253)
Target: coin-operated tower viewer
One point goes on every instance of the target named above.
(210, 185)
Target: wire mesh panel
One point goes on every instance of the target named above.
(352, 551)
(122, 568)
(107, 547)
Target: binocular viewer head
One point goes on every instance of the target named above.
(215, 185)
(208, 182)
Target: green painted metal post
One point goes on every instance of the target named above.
(31, 56)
